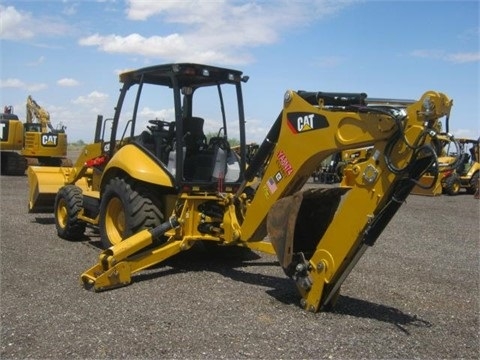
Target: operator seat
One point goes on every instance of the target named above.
(462, 163)
(204, 162)
(195, 139)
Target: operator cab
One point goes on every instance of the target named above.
(160, 113)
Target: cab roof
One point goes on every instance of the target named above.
(5, 116)
(186, 74)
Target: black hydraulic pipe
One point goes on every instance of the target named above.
(264, 150)
(401, 192)
(333, 99)
(158, 231)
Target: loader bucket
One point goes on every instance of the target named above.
(428, 186)
(297, 223)
(44, 183)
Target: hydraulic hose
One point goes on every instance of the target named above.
(264, 150)
(158, 231)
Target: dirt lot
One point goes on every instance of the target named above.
(415, 294)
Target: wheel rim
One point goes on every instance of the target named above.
(456, 187)
(62, 213)
(115, 221)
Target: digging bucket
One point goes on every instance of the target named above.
(44, 183)
(297, 222)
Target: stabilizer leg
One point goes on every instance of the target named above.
(117, 264)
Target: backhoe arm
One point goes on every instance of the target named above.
(320, 234)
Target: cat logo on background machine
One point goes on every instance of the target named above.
(49, 140)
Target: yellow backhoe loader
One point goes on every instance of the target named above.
(458, 169)
(465, 173)
(155, 190)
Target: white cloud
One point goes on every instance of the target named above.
(67, 82)
(21, 25)
(142, 10)
(164, 114)
(93, 98)
(329, 61)
(213, 31)
(135, 43)
(172, 47)
(19, 84)
(37, 62)
(70, 9)
(13, 24)
(198, 11)
(36, 87)
(12, 83)
(464, 57)
(427, 53)
(466, 133)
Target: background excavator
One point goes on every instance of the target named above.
(34, 142)
(43, 142)
(11, 143)
(158, 187)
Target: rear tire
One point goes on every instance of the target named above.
(473, 184)
(68, 203)
(452, 184)
(126, 207)
(13, 164)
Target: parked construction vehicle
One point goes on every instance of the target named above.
(34, 142)
(43, 143)
(155, 192)
(12, 163)
(465, 173)
(457, 168)
(330, 171)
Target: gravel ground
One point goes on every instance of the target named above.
(415, 294)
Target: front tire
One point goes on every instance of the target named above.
(452, 184)
(126, 207)
(68, 203)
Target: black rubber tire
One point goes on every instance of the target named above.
(452, 184)
(68, 203)
(126, 207)
(473, 184)
(13, 164)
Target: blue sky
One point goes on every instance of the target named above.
(67, 54)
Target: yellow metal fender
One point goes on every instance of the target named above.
(139, 165)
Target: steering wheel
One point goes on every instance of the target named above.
(159, 124)
(221, 142)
